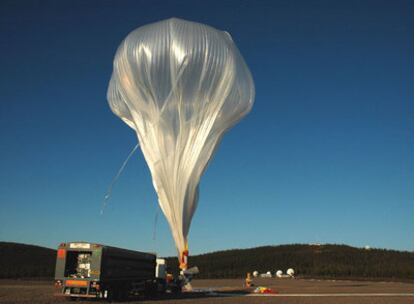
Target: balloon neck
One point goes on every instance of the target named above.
(184, 259)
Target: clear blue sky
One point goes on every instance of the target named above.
(326, 155)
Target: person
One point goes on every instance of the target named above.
(248, 280)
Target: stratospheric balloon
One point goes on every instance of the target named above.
(180, 85)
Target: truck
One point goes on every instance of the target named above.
(88, 270)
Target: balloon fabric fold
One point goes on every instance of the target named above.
(180, 85)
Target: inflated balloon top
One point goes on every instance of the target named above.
(180, 85)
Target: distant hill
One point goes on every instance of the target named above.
(24, 261)
(324, 261)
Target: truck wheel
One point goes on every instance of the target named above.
(176, 290)
(151, 290)
(123, 294)
(112, 295)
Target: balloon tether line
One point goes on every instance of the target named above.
(108, 193)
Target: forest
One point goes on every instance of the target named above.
(323, 261)
(317, 261)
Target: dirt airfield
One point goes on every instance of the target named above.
(288, 291)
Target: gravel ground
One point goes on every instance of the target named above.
(232, 291)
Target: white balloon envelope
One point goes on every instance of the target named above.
(180, 85)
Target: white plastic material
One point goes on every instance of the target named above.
(290, 272)
(180, 85)
(279, 273)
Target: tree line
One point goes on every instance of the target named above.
(26, 261)
(338, 261)
(324, 261)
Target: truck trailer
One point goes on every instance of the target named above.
(90, 270)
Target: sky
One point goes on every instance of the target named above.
(325, 156)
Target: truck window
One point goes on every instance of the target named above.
(78, 264)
